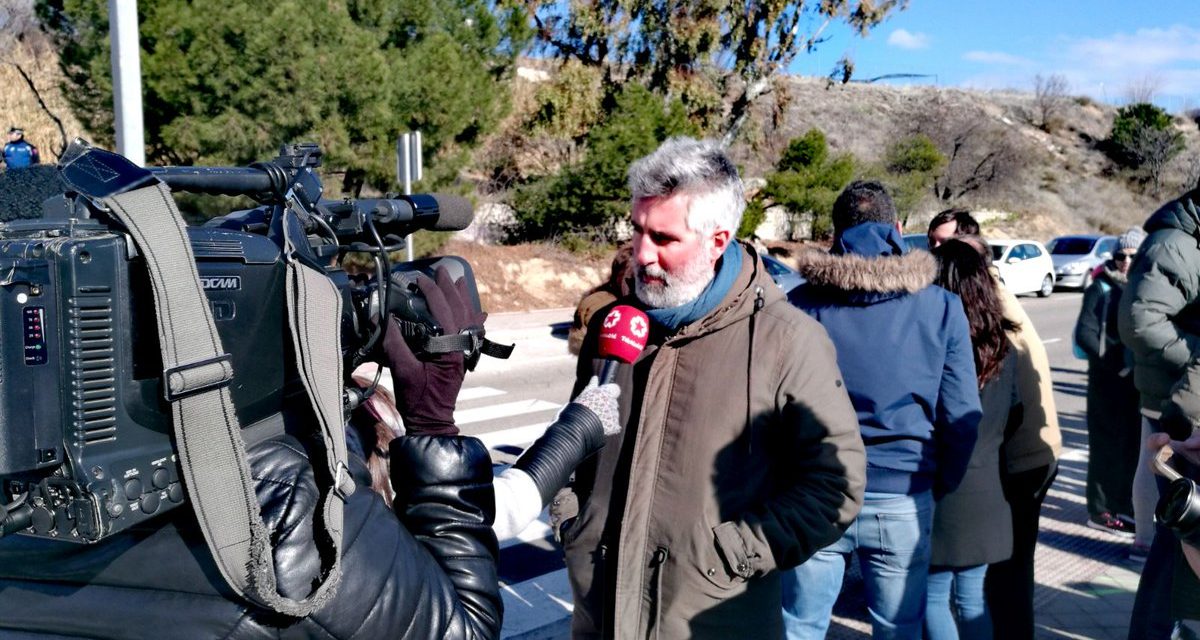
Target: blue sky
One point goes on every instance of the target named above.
(1102, 47)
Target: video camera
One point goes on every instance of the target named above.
(85, 426)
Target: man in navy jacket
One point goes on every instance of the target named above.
(904, 349)
(18, 153)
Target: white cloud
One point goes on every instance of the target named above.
(1106, 68)
(997, 57)
(905, 39)
(1144, 48)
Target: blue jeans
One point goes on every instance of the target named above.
(891, 536)
(962, 588)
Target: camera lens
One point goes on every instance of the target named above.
(1179, 509)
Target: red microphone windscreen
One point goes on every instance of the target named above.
(623, 334)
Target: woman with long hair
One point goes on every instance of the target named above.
(972, 526)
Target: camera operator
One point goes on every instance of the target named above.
(426, 571)
(1181, 415)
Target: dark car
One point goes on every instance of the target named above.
(785, 277)
(916, 241)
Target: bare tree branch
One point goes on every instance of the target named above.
(1049, 99)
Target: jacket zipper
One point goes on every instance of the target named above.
(656, 563)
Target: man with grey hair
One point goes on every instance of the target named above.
(740, 454)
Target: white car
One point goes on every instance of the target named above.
(1025, 266)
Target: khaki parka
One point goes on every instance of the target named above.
(740, 457)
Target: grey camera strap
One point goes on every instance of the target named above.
(196, 372)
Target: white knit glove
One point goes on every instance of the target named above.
(601, 399)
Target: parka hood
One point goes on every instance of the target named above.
(1182, 214)
(868, 264)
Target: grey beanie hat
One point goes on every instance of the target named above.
(1131, 239)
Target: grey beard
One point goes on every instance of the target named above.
(675, 290)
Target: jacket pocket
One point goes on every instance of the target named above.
(714, 562)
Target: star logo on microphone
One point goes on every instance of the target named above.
(638, 327)
(612, 319)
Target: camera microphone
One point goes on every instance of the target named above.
(432, 211)
(622, 338)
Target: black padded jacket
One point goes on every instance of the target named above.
(427, 571)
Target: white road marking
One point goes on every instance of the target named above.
(536, 603)
(514, 436)
(477, 393)
(502, 410)
(1051, 340)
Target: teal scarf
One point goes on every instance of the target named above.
(728, 267)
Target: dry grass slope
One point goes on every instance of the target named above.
(31, 51)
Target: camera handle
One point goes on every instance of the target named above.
(15, 515)
(1164, 469)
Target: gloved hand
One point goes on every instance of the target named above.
(1175, 423)
(578, 432)
(427, 387)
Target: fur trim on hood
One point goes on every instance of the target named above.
(1114, 275)
(907, 273)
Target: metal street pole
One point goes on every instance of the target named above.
(404, 152)
(127, 80)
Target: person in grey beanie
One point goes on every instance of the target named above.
(1112, 399)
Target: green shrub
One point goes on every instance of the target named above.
(914, 154)
(755, 214)
(589, 197)
(807, 150)
(809, 181)
(1144, 139)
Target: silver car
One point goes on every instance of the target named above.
(1075, 257)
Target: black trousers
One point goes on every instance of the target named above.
(1114, 441)
(1008, 586)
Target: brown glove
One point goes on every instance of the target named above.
(427, 387)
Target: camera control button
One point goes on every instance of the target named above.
(133, 488)
(115, 509)
(175, 493)
(160, 479)
(149, 503)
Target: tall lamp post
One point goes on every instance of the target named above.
(127, 80)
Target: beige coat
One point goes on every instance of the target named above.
(740, 456)
(1038, 441)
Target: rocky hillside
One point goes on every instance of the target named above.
(1054, 182)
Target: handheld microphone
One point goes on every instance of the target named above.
(622, 337)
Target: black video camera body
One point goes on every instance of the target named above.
(85, 430)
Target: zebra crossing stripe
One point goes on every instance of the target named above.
(538, 604)
(502, 410)
(518, 436)
(478, 393)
